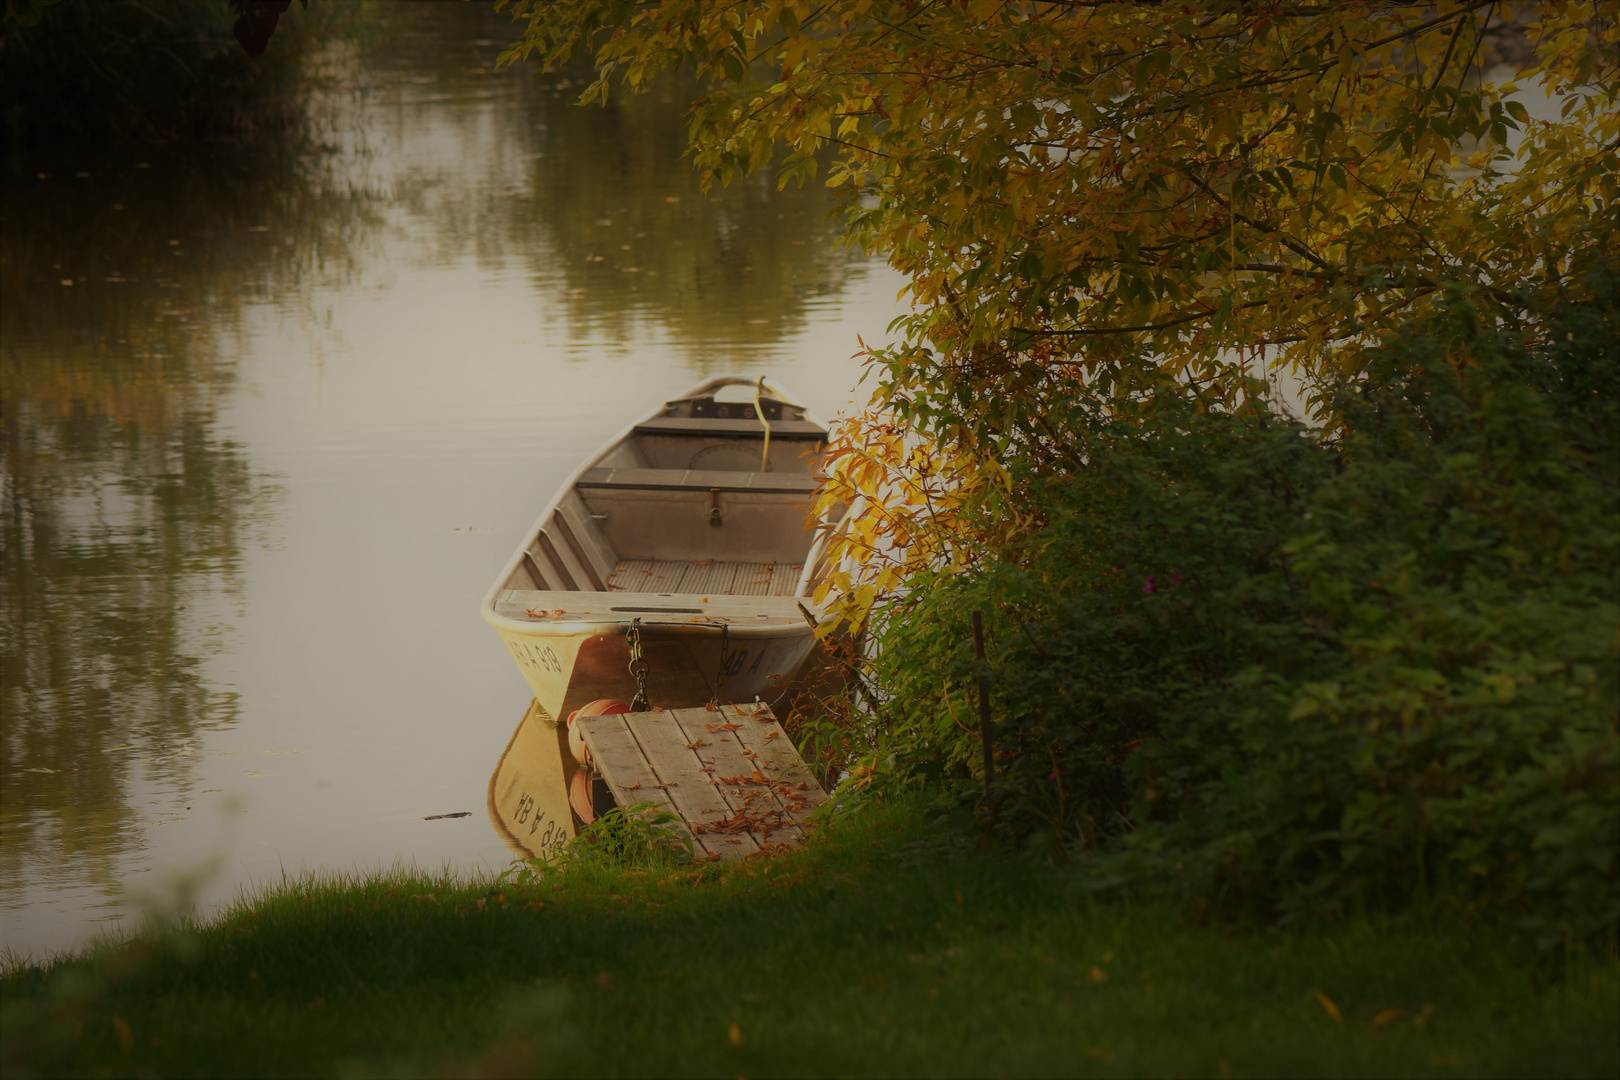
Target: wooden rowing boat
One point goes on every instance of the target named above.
(689, 533)
(691, 529)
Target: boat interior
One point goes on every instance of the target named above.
(710, 496)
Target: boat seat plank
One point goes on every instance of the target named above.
(762, 612)
(714, 425)
(700, 480)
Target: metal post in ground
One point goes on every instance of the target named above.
(985, 735)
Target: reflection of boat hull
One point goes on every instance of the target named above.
(528, 791)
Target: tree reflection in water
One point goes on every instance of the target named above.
(126, 512)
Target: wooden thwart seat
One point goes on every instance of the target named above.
(699, 480)
(713, 426)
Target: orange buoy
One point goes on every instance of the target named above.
(599, 707)
(579, 796)
(590, 796)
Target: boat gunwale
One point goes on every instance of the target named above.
(534, 628)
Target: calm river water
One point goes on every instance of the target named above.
(273, 419)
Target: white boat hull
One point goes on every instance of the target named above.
(693, 526)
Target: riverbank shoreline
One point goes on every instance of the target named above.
(881, 948)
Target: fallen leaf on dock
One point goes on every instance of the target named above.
(695, 745)
(721, 727)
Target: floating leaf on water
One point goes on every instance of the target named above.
(1328, 1006)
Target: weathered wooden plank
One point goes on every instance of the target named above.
(713, 756)
(747, 428)
(732, 776)
(553, 560)
(754, 579)
(654, 606)
(750, 793)
(563, 552)
(574, 523)
(758, 730)
(688, 780)
(699, 481)
(704, 578)
(617, 756)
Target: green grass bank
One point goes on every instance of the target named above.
(879, 949)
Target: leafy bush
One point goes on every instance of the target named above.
(1295, 670)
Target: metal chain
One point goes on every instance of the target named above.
(638, 667)
(720, 673)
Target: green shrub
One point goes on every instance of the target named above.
(635, 837)
(1296, 671)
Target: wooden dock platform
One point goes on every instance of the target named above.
(732, 776)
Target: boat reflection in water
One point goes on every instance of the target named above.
(529, 803)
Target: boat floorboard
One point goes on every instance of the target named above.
(705, 576)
